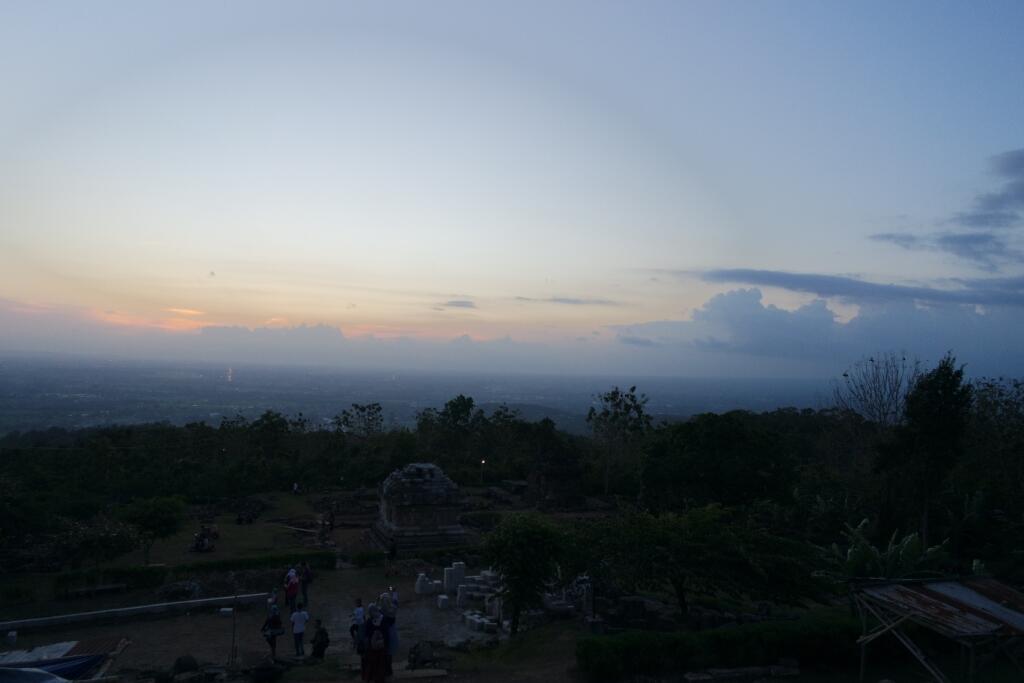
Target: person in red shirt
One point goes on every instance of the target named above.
(291, 589)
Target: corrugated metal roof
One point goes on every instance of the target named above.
(972, 600)
(94, 646)
(67, 648)
(51, 651)
(958, 609)
(999, 592)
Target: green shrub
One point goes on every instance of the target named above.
(153, 577)
(445, 556)
(132, 577)
(319, 559)
(821, 640)
(17, 595)
(484, 520)
(370, 558)
(136, 577)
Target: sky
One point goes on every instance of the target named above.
(670, 188)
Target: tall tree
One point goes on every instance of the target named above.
(876, 388)
(730, 459)
(363, 419)
(704, 551)
(155, 518)
(931, 439)
(524, 549)
(618, 423)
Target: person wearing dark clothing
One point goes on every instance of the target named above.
(306, 578)
(271, 629)
(374, 638)
(320, 640)
(358, 618)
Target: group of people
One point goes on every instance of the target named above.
(373, 630)
(298, 579)
(374, 633)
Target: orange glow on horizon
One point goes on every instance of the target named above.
(128, 320)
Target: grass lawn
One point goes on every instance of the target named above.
(236, 540)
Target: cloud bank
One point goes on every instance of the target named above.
(991, 222)
(734, 334)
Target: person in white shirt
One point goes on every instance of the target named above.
(299, 618)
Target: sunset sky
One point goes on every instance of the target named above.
(656, 187)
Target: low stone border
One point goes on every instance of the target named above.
(137, 610)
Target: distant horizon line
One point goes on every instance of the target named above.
(624, 379)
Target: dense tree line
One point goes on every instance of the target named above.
(929, 454)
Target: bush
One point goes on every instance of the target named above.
(152, 577)
(821, 640)
(136, 577)
(370, 558)
(132, 577)
(320, 559)
(16, 595)
(484, 520)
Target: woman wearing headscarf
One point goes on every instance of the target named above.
(375, 658)
(389, 608)
(272, 628)
(291, 588)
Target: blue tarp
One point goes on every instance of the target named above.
(66, 667)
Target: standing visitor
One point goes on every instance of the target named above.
(306, 578)
(299, 618)
(375, 661)
(271, 629)
(358, 617)
(320, 640)
(291, 589)
(389, 608)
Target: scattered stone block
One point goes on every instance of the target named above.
(437, 587)
(458, 575)
(442, 601)
(424, 586)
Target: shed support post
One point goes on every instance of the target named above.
(911, 646)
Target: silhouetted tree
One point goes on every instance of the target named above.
(704, 551)
(524, 549)
(154, 518)
(931, 439)
(363, 419)
(618, 427)
(732, 459)
(876, 388)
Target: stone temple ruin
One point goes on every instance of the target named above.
(419, 510)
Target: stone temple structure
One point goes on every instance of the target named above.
(419, 510)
